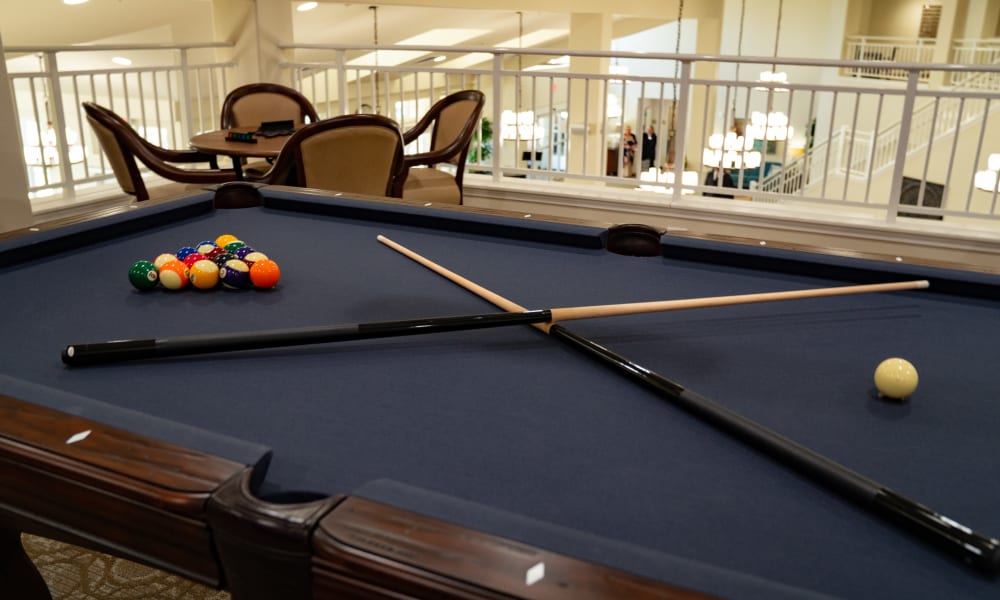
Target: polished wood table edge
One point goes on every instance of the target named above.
(362, 544)
(112, 491)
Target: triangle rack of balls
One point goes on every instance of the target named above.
(227, 262)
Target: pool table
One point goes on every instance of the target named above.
(499, 462)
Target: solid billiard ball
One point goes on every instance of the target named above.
(214, 252)
(190, 259)
(142, 275)
(204, 274)
(222, 258)
(896, 378)
(174, 275)
(224, 239)
(233, 246)
(163, 259)
(265, 273)
(205, 247)
(184, 252)
(235, 274)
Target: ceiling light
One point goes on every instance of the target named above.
(72, 2)
(306, 6)
(440, 58)
(121, 60)
(533, 39)
(434, 37)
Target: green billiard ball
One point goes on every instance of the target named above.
(142, 275)
(233, 246)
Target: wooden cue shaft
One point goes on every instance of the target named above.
(981, 551)
(613, 310)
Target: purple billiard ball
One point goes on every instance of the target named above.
(235, 274)
(241, 253)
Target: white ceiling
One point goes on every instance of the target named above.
(50, 22)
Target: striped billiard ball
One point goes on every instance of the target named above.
(235, 274)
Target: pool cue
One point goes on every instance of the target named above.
(633, 308)
(137, 349)
(141, 349)
(975, 549)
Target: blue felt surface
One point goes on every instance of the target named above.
(515, 421)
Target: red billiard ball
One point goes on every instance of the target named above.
(265, 273)
(190, 259)
(211, 254)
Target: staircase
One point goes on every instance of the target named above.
(862, 154)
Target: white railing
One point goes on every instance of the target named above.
(573, 108)
(174, 90)
(891, 50)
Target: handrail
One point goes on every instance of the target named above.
(576, 129)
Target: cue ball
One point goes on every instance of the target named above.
(896, 378)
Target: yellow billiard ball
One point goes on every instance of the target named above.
(896, 378)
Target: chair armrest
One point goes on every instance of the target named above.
(417, 130)
(158, 162)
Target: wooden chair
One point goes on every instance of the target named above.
(454, 120)
(255, 103)
(355, 154)
(124, 146)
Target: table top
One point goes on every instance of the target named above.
(522, 424)
(215, 142)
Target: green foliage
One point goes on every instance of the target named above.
(481, 148)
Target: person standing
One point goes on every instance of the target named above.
(629, 142)
(648, 147)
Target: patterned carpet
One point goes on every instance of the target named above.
(73, 573)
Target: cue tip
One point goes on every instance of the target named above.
(923, 283)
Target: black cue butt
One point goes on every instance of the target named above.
(982, 553)
(103, 352)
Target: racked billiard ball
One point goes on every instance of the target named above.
(163, 259)
(233, 246)
(224, 239)
(251, 257)
(184, 252)
(205, 247)
(235, 274)
(143, 275)
(265, 273)
(215, 251)
(190, 259)
(204, 274)
(242, 251)
(174, 275)
(222, 258)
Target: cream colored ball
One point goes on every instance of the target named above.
(896, 378)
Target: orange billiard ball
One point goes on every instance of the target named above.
(265, 273)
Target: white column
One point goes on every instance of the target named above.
(588, 31)
(15, 208)
(256, 27)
